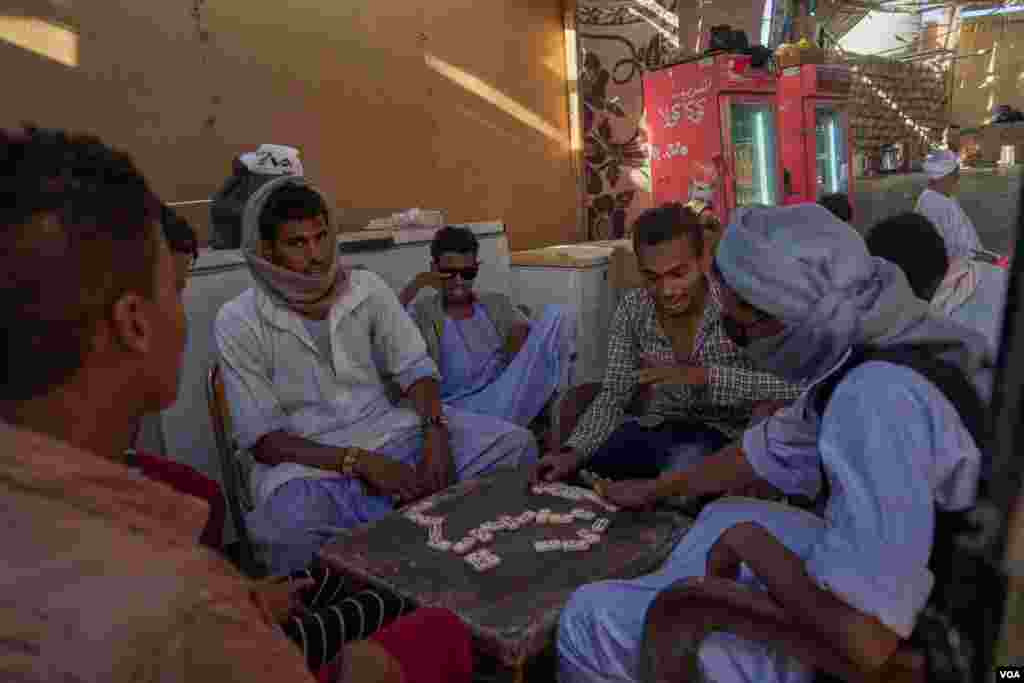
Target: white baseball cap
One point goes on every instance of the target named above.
(273, 160)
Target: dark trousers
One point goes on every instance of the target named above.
(636, 452)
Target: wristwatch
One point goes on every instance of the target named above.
(434, 421)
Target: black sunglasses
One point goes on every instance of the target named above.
(466, 273)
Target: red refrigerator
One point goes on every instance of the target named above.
(713, 132)
(815, 131)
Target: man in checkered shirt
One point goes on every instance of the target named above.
(669, 341)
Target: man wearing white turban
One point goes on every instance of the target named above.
(309, 354)
(759, 591)
(939, 205)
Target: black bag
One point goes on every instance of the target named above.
(229, 203)
(760, 57)
(952, 626)
(723, 37)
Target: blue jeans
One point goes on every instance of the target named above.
(636, 452)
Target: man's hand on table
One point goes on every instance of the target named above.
(436, 470)
(555, 466)
(387, 477)
(633, 494)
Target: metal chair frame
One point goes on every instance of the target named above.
(233, 473)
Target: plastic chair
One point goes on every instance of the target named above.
(233, 473)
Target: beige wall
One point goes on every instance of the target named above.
(451, 104)
(972, 89)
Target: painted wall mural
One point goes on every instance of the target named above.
(618, 43)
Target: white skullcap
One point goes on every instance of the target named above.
(273, 160)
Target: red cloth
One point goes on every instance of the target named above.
(186, 480)
(432, 645)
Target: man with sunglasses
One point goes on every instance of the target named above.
(493, 361)
(670, 339)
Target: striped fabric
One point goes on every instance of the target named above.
(726, 403)
(335, 616)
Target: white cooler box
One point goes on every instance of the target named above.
(576, 276)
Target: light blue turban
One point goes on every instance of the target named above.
(813, 272)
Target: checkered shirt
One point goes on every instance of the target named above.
(725, 403)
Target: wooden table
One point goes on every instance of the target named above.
(513, 609)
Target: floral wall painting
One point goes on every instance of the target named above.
(619, 41)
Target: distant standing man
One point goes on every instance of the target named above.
(939, 205)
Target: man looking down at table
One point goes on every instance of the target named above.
(670, 338)
(788, 591)
(308, 355)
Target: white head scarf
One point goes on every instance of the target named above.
(308, 295)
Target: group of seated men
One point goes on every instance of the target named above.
(787, 306)
(310, 352)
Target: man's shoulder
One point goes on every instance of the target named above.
(889, 389)
(635, 298)
(494, 299)
(635, 303)
(152, 591)
(366, 279)
(426, 302)
(993, 276)
(242, 307)
(367, 288)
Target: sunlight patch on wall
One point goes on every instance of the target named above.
(41, 37)
(487, 92)
(572, 69)
(992, 60)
